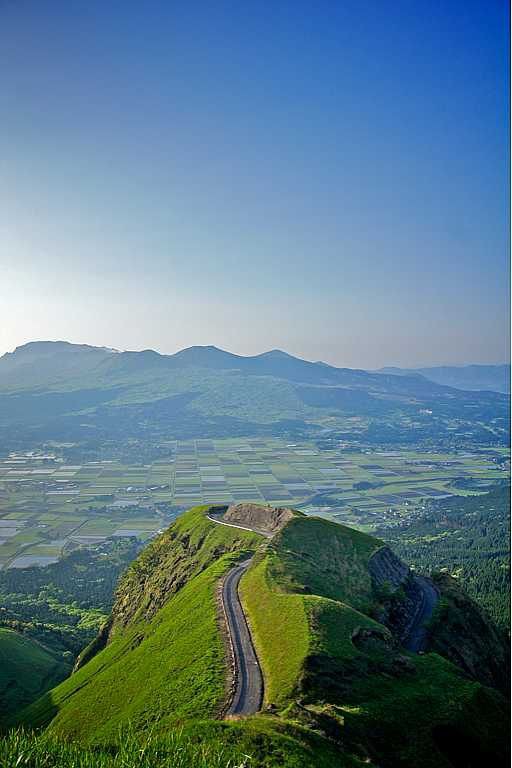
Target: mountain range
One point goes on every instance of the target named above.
(59, 390)
(477, 377)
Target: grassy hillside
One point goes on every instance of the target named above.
(27, 669)
(165, 661)
(330, 663)
(339, 689)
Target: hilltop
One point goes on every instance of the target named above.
(330, 612)
(46, 389)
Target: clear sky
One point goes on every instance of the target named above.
(328, 178)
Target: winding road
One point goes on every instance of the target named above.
(248, 692)
(248, 689)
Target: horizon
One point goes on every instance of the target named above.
(315, 178)
(255, 354)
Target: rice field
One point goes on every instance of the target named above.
(48, 507)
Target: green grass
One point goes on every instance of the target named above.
(280, 630)
(27, 670)
(259, 743)
(329, 668)
(307, 598)
(166, 662)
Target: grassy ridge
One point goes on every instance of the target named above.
(165, 668)
(324, 658)
(280, 631)
(188, 546)
(310, 562)
(27, 670)
(329, 667)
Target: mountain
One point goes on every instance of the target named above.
(336, 620)
(470, 377)
(61, 391)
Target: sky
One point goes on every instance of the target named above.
(327, 178)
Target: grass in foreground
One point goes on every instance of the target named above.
(258, 743)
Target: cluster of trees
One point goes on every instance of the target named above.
(63, 604)
(468, 537)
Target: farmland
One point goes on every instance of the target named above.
(48, 506)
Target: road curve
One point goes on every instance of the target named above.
(416, 638)
(248, 693)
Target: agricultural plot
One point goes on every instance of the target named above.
(48, 507)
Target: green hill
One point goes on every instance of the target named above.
(339, 688)
(27, 669)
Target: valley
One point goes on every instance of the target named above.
(49, 506)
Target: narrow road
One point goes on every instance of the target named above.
(248, 696)
(416, 639)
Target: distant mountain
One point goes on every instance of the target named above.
(64, 391)
(470, 377)
(40, 362)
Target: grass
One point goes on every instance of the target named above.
(27, 670)
(329, 668)
(307, 598)
(260, 743)
(280, 630)
(166, 662)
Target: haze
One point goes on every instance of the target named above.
(305, 176)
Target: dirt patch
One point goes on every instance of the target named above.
(258, 516)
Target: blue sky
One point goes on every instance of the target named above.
(329, 178)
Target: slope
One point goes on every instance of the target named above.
(161, 657)
(27, 670)
(333, 664)
(332, 670)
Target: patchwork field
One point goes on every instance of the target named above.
(48, 507)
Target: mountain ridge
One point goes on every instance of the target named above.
(46, 387)
(332, 668)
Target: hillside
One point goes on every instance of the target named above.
(27, 670)
(61, 391)
(467, 537)
(332, 671)
(471, 377)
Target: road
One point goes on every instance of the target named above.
(248, 694)
(416, 638)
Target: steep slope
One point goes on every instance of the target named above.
(27, 670)
(161, 658)
(333, 664)
(315, 602)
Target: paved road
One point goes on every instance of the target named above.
(248, 696)
(416, 639)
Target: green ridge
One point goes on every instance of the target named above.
(334, 676)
